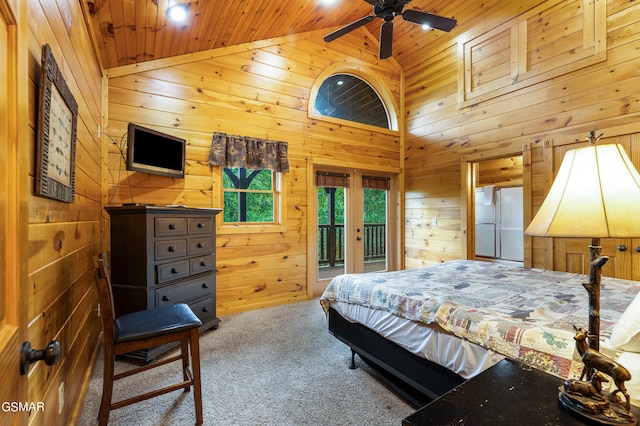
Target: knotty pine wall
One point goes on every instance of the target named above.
(64, 237)
(260, 90)
(460, 112)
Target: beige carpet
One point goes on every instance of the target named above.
(274, 366)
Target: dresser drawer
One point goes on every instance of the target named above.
(168, 226)
(200, 225)
(199, 245)
(173, 271)
(168, 249)
(204, 263)
(185, 292)
(204, 309)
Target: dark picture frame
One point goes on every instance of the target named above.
(56, 133)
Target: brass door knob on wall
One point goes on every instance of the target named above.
(50, 355)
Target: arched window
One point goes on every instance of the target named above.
(350, 98)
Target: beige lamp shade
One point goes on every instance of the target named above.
(596, 194)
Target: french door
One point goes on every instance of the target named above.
(355, 223)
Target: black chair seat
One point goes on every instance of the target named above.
(154, 322)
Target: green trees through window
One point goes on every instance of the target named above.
(375, 206)
(249, 195)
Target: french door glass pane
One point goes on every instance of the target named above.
(375, 229)
(331, 244)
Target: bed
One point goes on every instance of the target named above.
(428, 329)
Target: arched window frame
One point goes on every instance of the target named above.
(376, 84)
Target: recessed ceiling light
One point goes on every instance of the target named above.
(177, 12)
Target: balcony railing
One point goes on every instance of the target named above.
(331, 243)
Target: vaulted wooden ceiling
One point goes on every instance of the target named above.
(133, 31)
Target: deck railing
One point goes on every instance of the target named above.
(331, 243)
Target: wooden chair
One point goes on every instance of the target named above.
(143, 330)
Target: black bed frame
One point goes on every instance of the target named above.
(418, 380)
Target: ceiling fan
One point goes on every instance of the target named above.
(387, 10)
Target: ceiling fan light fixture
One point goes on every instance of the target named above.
(178, 12)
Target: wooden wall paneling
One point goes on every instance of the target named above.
(506, 171)
(527, 196)
(63, 237)
(549, 166)
(633, 271)
(571, 40)
(73, 314)
(305, 51)
(540, 100)
(564, 110)
(468, 175)
(534, 198)
(261, 90)
(482, 16)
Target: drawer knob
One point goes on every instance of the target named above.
(166, 298)
(172, 226)
(205, 309)
(204, 285)
(200, 225)
(174, 270)
(200, 245)
(172, 249)
(203, 263)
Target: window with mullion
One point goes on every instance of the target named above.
(249, 195)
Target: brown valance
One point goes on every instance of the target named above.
(332, 180)
(376, 182)
(250, 153)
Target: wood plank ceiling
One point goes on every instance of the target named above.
(133, 31)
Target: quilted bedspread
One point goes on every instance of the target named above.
(523, 314)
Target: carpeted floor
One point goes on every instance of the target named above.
(274, 366)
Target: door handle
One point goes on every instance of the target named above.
(50, 355)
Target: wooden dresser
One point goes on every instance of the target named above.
(162, 256)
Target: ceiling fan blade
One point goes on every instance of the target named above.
(348, 28)
(434, 21)
(386, 39)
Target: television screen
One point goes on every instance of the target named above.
(154, 152)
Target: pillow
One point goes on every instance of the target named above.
(632, 363)
(625, 334)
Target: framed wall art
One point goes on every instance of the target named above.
(56, 133)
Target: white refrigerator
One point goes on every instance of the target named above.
(499, 223)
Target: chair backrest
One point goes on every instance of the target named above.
(105, 295)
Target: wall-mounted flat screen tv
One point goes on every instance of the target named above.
(155, 152)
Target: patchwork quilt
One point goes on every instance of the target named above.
(524, 314)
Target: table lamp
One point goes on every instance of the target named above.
(596, 194)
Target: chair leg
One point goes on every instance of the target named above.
(195, 363)
(184, 348)
(107, 386)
